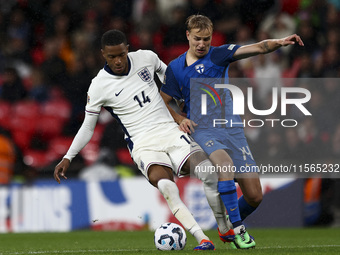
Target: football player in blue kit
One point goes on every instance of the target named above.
(199, 69)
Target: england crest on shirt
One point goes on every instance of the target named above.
(199, 68)
(144, 74)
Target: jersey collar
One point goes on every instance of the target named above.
(185, 57)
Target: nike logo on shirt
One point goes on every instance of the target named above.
(117, 94)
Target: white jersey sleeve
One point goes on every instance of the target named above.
(95, 100)
(83, 136)
(160, 68)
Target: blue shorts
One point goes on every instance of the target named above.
(233, 141)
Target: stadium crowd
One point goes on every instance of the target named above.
(47, 61)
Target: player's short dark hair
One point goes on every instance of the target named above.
(199, 21)
(112, 38)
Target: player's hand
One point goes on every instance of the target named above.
(61, 169)
(187, 126)
(292, 39)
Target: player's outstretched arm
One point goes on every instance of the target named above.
(167, 99)
(82, 137)
(290, 40)
(185, 124)
(266, 46)
(61, 168)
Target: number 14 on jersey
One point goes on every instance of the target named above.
(145, 100)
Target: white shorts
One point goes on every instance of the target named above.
(169, 148)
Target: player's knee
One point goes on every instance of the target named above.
(153, 177)
(153, 181)
(196, 159)
(221, 158)
(255, 199)
(156, 173)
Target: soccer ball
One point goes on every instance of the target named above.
(170, 236)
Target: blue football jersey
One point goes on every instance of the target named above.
(191, 82)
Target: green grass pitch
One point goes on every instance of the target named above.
(269, 241)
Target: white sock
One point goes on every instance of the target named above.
(170, 192)
(238, 229)
(210, 180)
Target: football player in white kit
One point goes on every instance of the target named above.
(126, 88)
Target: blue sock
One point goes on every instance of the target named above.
(245, 208)
(228, 194)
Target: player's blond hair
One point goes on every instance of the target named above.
(199, 21)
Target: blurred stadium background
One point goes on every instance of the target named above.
(50, 51)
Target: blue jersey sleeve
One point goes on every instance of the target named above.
(170, 85)
(223, 55)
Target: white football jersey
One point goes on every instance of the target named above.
(133, 99)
